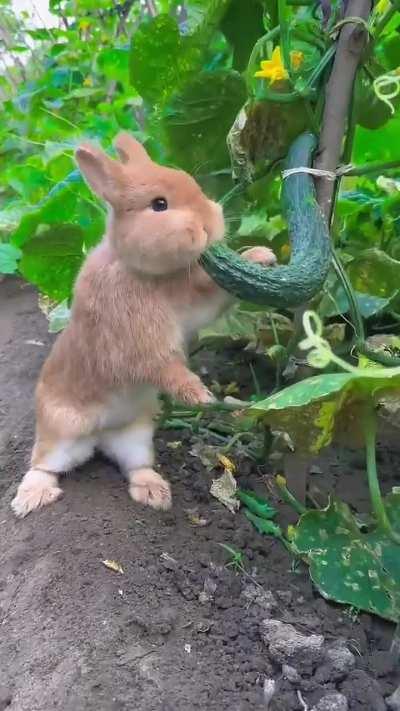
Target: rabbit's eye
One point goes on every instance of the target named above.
(159, 204)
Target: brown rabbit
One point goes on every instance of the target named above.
(140, 296)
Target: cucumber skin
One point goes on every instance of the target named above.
(283, 286)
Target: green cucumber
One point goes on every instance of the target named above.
(283, 286)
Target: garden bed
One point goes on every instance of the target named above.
(178, 629)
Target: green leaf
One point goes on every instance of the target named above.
(336, 303)
(41, 33)
(379, 145)
(347, 566)
(303, 393)
(156, 61)
(235, 325)
(11, 214)
(59, 317)
(52, 259)
(317, 410)
(243, 25)
(9, 257)
(258, 223)
(83, 92)
(262, 525)
(114, 63)
(391, 51)
(256, 504)
(203, 21)
(69, 201)
(197, 120)
(28, 180)
(373, 272)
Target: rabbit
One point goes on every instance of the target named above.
(139, 299)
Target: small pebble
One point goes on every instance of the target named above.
(332, 702)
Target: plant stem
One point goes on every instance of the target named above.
(284, 27)
(369, 431)
(368, 168)
(288, 497)
(356, 317)
(256, 52)
(339, 89)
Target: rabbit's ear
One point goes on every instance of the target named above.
(130, 150)
(100, 171)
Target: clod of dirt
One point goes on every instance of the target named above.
(263, 598)
(287, 646)
(161, 624)
(381, 662)
(291, 674)
(338, 662)
(209, 588)
(332, 702)
(393, 701)
(363, 692)
(5, 698)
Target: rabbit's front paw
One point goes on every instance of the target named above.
(260, 255)
(197, 394)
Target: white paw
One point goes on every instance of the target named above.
(260, 255)
(37, 489)
(149, 488)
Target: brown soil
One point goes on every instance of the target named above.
(178, 630)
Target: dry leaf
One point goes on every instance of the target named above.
(113, 565)
(174, 445)
(195, 519)
(224, 489)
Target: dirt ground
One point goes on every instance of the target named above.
(178, 630)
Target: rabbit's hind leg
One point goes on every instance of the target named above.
(132, 448)
(50, 457)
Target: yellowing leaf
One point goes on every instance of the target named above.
(228, 465)
(231, 389)
(280, 480)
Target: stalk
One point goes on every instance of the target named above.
(378, 506)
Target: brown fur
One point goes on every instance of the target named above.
(140, 296)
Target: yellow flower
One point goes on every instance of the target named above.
(280, 481)
(291, 532)
(273, 68)
(88, 81)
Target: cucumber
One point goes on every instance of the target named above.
(289, 285)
